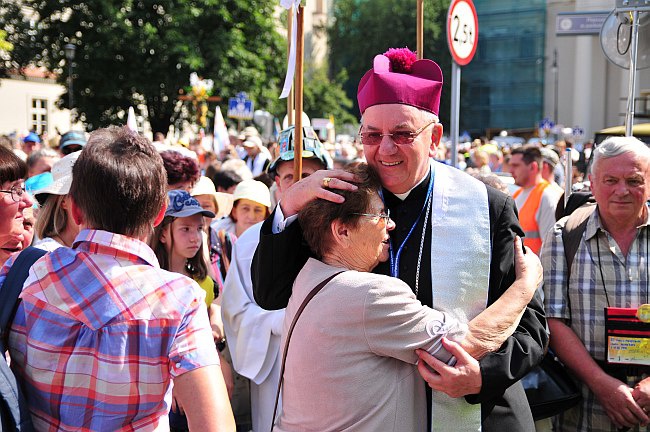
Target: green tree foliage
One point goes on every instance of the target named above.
(324, 97)
(143, 51)
(361, 29)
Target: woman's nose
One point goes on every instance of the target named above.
(26, 200)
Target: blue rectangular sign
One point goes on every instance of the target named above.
(240, 108)
(579, 23)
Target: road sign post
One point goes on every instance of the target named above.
(462, 39)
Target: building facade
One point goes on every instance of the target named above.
(524, 72)
(503, 86)
(30, 104)
(592, 91)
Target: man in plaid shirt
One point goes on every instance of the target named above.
(102, 331)
(610, 269)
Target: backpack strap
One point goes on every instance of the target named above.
(13, 286)
(571, 236)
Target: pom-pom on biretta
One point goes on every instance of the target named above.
(401, 59)
(397, 77)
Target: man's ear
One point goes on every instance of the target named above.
(278, 190)
(340, 233)
(161, 214)
(436, 136)
(77, 214)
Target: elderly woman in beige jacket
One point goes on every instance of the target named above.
(351, 358)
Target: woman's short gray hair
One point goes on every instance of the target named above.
(616, 146)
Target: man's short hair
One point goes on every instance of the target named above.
(616, 146)
(529, 153)
(119, 182)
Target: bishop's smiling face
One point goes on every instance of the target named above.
(400, 167)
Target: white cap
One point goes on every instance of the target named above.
(61, 175)
(253, 190)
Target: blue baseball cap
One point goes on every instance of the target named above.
(72, 138)
(182, 204)
(32, 137)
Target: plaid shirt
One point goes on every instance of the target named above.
(100, 333)
(627, 284)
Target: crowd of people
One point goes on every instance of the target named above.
(181, 289)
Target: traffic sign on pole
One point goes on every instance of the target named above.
(462, 31)
(462, 39)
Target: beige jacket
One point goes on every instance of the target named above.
(350, 364)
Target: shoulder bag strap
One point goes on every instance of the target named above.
(571, 237)
(311, 295)
(13, 286)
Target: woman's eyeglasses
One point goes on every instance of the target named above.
(384, 216)
(16, 192)
(399, 137)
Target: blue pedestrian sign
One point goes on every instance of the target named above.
(240, 107)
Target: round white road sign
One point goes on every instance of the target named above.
(462, 31)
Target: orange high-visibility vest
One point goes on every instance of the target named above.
(527, 213)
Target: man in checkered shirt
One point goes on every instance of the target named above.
(610, 269)
(102, 331)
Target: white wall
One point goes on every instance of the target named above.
(16, 101)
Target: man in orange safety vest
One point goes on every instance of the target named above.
(535, 200)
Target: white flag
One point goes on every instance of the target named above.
(130, 121)
(221, 138)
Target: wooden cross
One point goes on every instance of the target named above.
(195, 101)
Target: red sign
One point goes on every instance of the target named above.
(462, 31)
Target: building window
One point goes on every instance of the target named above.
(39, 115)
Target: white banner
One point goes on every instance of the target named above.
(292, 7)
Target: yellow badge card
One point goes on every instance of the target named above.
(628, 350)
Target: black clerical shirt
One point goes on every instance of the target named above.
(405, 214)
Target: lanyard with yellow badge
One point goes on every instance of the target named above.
(628, 335)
